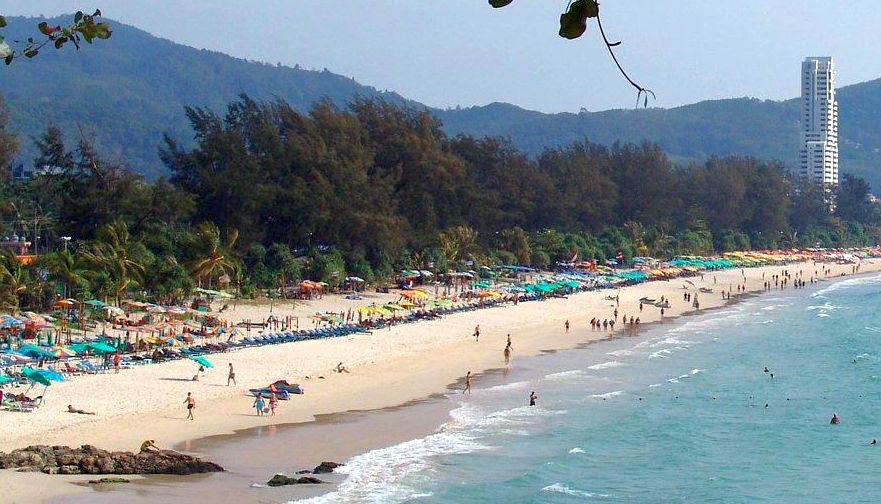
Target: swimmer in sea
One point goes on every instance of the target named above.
(835, 419)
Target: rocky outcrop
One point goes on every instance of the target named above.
(90, 460)
(282, 480)
(325, 468)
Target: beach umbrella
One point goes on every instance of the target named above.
(66, 303)
(203, 361)
(95, 303)
(5, 379)
(36, 352)
(9, 321)
(101, 347)
(394, 307)
(114, 310)
(17, 357)
(36, 377)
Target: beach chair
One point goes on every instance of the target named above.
(89, 368)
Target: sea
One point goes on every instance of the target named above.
(682, 412)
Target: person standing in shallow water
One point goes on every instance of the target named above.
(467, 384)
(532, 398)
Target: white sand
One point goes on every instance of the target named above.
(388, 367)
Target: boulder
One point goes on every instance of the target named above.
(282, 480)
(325, 468)
(88, 459)
(104, 481)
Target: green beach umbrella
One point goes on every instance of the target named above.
(101, 347)
(203, 361)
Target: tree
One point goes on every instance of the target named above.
(459, 243)
(282, 264)
(852, 199)
(214, 252)
(8, 141)
(112, 255)
(63, 266)
(14, 280)
(85, 28)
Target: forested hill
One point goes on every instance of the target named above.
(762, 128)
(129, 90)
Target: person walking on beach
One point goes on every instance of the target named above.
(467, 390)
(258, 404)
(191, 405)
(567, 325)
(532, 398)
(477, 332)
(231, 377)
(116, 362)
(273, 403)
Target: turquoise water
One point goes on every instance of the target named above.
(674, 415)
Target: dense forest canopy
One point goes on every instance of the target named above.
(125, 102)
(264, 195)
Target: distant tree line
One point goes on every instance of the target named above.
(268, 196)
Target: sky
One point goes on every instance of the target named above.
(452, 53)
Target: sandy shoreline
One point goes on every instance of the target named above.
(389, 368)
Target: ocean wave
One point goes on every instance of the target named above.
(507, 386)
(576, 450)
(564, 375)
(608, 395)
(775, 306)
(560, 488)
(661, 354)
(380, 475)
(826, 306)
(852, 282)
(606, 365)
(622, 353)
(653, 385)
(376, 476)
(822, 314)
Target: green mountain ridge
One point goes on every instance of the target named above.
(127, 91)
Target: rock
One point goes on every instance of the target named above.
(325, 468)
(304, 471)
(91, 460)
(282, 480)
(103, 481)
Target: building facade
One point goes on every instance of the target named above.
(819, 122)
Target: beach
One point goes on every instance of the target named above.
(389, 368)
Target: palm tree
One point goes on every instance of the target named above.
(14, 280)
(214, 254)
(459, 243)
(63, 266)
(111, 256)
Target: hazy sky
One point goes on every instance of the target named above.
(462, 52)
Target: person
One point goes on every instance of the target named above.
(191, 405)
(532, 398)
(507, 354)
(874, 442)
(273, 403)
(149, 446)
(835, 419)
(477, 332)
(567, 326)
(71, 409)
(231, 377)
(116, 362)
(258, 403)
(341, 369)
(467, 384)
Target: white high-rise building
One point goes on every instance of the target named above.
(819, 122)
